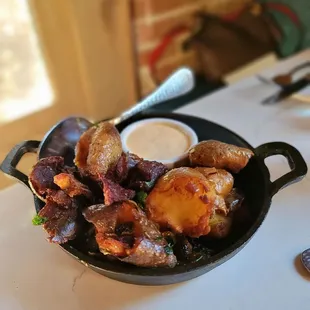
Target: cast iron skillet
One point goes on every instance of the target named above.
(254, 181)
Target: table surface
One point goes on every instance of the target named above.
(266, 274)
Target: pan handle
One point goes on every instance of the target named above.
(294, 158)
(10, 162)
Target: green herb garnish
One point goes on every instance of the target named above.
(140, 199)
(168, 250)
(170, 244)
(170, 240)
(38, 220)
(150, 184)
(159, 238)
(198, 259)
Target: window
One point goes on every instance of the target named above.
(24, 83)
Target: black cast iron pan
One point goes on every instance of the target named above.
(254, 181)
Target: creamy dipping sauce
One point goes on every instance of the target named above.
(158, 141)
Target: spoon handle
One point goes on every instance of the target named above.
(178, 84)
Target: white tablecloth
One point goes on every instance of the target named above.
(267, 274)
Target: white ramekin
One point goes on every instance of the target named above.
(171, 162)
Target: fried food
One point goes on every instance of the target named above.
(172, 209)
(144, 175)
(98, 150)
(82, 150)
(223, 182)
(126, 162)
(71, 186)
(113, 192)
(182, 200)
(220, 226)
(60, 223)
(123, 230)
(41, 178)
(219, 155)
(222, 179)
(59, 197)
(234, 200)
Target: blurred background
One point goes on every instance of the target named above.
(96, 58)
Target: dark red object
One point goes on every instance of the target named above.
(113, 192)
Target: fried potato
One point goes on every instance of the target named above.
(219, 155)
(98, 150)
(82, 149)
(182, 200)
(222, 179)
(220, 226)
(223, 183)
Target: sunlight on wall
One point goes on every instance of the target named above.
(24, 83)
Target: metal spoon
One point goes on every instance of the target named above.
(178, 84)
(62, 138)
(284, 79)
(287, 78)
